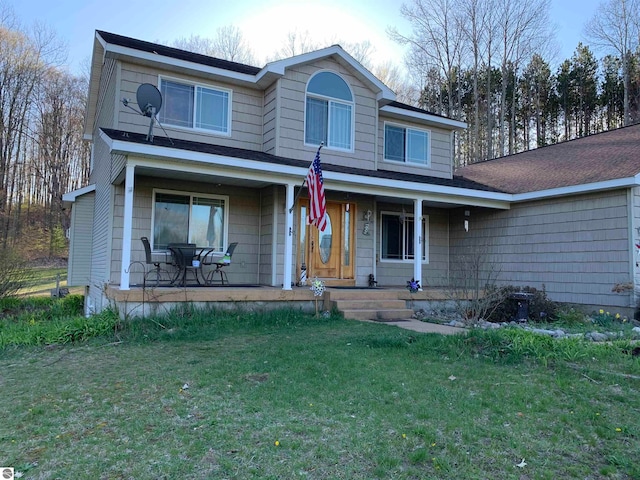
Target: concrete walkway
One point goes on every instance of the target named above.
(426, 327)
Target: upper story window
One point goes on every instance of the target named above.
(404, 144)
(190, 105)
(329, 115)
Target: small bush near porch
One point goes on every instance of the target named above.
(284, 395)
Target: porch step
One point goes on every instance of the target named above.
(391, 304)
(369, 304)
(378, 314)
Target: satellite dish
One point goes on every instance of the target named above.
(149, 99)
(149, 102)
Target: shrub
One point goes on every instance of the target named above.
(540, 306)
(571, 317)
(13, 274)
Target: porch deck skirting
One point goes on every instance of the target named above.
(140, 301)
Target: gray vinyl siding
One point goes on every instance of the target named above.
(364, 243)
(244, 226)
(635, 234)
(105, 111)
(436, 268)
(575, 248)
(100, 175)
(80, 244)
(441, 150)
(247, 109)
(270, 119)
(266, 239)
(292, 110)
(102, 221)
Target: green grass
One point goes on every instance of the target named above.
(342, 399)
(41, 280)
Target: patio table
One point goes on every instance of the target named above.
(186, 258)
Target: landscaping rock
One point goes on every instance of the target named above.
(456, 323)
(635, 332)
(597, 337)
(542, 331)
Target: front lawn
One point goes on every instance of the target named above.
(285, 395)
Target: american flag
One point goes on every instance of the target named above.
(315, 185)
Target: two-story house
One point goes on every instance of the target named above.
(228, 165)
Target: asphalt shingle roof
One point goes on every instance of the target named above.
(177, 53)
(245, 154)
(596, 158)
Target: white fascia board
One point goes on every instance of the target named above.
(174, 62)
(410, 114)
(71, 196)
(256, 170)
(578, 189)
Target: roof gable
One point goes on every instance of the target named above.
(336, 51)
(597, 158)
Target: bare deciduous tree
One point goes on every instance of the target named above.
(615, 27)
(228, 44)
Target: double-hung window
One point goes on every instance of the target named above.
(189, 218)
(329, 112)
(195, 106)
(397, 237)
(404, 144)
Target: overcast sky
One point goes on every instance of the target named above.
(264, 23)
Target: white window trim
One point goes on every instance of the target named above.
(405, 162)
(330, 100)
(225, 198)
(203, 85)
(425, 240)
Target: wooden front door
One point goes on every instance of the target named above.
(328, 255)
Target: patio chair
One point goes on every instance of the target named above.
(219, 265)
(157, 271)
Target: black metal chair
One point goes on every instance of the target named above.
(219, 265)
(157, 271)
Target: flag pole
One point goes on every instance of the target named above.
(303, 182)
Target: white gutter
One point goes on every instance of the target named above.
(449, 122)
(577, 189)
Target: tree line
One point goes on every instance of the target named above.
(486, 62)
(42, 154)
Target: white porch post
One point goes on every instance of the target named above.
(417, 240)
(288, 237)
(127, 223)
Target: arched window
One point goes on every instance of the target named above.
(329, 115)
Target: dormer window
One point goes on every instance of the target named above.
(190, 105)
(404, 144)
(329, 115)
